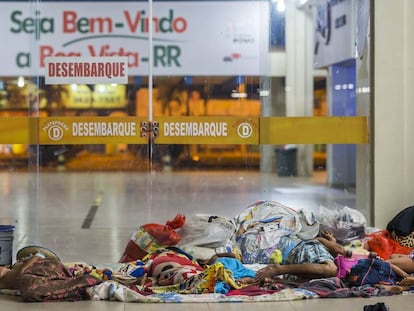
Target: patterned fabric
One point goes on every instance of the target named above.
(404, 240)
(216, 277)
(261, 227)
(146, 241)
(334, 288)
(49, 280)
(309, 252)
(236, 267)
(170, 267)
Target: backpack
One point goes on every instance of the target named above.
(370, 272)
(401, 227)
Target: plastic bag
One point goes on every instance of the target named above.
(207, 231)
(345, 223)
(151, 237)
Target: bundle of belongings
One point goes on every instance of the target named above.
(401, 227)
(213, 258)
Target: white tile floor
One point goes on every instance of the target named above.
(90, 217)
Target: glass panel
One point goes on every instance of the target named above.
(213, 68)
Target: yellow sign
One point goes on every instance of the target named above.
(185, 130)
(208, 130)
(313, 130)
(18, 130)
(90, 130)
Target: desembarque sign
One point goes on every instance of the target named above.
(86, 70)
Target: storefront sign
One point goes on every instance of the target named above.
(189, 37)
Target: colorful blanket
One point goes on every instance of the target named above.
(168, 276)
(49, 280)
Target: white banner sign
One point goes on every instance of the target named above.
(189, 38)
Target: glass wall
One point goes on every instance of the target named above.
(110, 121)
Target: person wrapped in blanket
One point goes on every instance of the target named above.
(172, 269)
(39, 276)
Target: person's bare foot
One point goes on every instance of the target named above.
(395, 289)
(407, 281)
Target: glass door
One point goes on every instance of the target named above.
(123, 114)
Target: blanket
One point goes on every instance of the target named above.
(49, 280)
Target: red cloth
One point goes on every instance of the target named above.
(151, 237)
(384, 245)
(253, 290)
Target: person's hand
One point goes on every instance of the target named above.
(267, 272)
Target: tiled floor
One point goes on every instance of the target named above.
(91, 216)
(395, 303)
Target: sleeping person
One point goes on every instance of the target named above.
(40, 278)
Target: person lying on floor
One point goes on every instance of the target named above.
(404, 262)
(308, 265)
(39, 278)
(171, 268)
(305, 259)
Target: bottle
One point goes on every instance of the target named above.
(372, 255)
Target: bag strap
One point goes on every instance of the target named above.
(371, 263)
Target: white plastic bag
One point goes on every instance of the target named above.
(345, 223)
(207, 231)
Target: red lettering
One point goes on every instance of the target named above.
(122, 73)
(45, 51)
(100, 23)
(93, 70)
(78, 71)
(69, 21)
(101, 70)
(179, 25)
(133, 25)
(57, 69)
(86, 69)
(51, 70)
(70, 69)
(64, 69)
